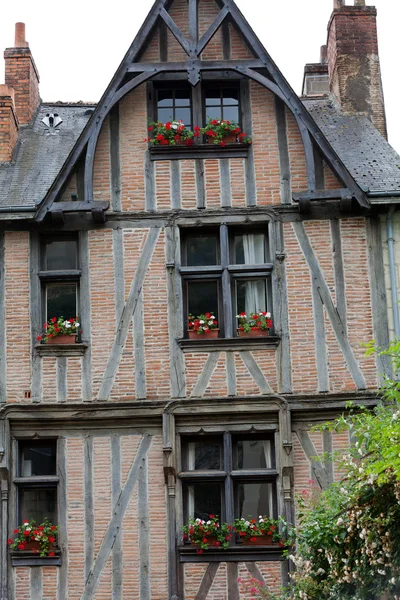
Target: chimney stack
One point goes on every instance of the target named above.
(22, 75)
(353, 61)
(8, 123)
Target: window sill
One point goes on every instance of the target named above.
(188, 554)
(238, 344)
(27, 558)
(61, 349)
(198, 151)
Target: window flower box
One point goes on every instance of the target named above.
(60, 331)
(224, 132)
(203, 326)
(204, 534)
(261, 532)
(256, 324)
(40, 539)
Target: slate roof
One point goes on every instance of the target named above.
(369, 158)
(38, 157)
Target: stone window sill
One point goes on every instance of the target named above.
(188, 554)
(237, 344)
(61, 349)
(198, 151)
(26, 558)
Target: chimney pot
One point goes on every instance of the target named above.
(338, 3)
(20, 41)
(359, 2)
(324, 55)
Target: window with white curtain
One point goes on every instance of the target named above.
(226, 270)
(229, 475)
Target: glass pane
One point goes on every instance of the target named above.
(213, 96)
(201, 250)
(231, 113)
(231, 96)
(38, 503)
(182, 97)
(204, 499)
(38, 459)
(251, 295)
(61, 300)
(203, 297)
(165, 114)
(165, 98)
(204, 456)
(254, 499)
(213, 112)
(250, 249)
(183, 114)
(253, 454)
(61, 255)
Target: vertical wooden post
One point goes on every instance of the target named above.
(4, 536)
(3, 368)
(36, 315)
(193, 27)
(226, 281)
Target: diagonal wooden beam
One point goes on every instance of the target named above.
(256, 372)
(334, 317)
(312, 455)
(207, 581)
(212, 30)
(255, 571)
(205, 375)
(127, 314)
(115, 524)
(174, 29)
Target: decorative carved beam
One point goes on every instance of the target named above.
(174, 29)
(211, 31)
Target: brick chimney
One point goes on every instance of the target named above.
(353, 61)
(316, 78)
(8, 123)
(22, 75)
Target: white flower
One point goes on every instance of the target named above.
(67, 324)
(77, 324)
(201, 322)
(268, 315)
(208, 522)
(174, 126)
(212, 317)
(211, 322)
(340, 521)
(247, 523)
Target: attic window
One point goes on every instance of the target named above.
(52, 121)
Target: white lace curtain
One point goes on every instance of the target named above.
(254, 254)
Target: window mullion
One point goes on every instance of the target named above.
(197, 110)
(229, 500)
(226, 281)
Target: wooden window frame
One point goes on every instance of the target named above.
(28, 558)
(199, 149)
(228, 476)
(226, 273)
(58, 277)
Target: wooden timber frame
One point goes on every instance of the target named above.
(286, 415)
(132, 74)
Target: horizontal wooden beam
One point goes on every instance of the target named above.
(203, 65)
(77, 206)
(322, 194)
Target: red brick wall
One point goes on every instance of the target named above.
(21, 74)
(8, 123)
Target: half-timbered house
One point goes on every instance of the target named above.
(125, 434)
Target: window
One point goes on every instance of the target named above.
(221, 103)
(60, 276)
(174, 103)
(232, 476)
(226, 271)
(37, 481)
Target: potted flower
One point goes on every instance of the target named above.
(40, 539)
(204, 534)
(205, 324)
(254, 324)
(60, 331)
(224, 132)
(264, 532)
(172, 133)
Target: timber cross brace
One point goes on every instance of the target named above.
(131, 74)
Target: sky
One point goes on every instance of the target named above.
(78, 45)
